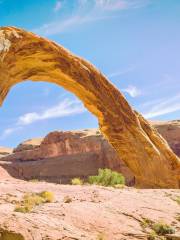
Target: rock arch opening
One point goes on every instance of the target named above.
(33, 109)
(24, 55)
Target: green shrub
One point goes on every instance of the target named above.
(30, 200)
(76, 181)
(34, 180)
(47, 196)
(146, 222)
(119, 186)
(152, 235)
(23, 209)
(107, 177)
(177, 199)
(162, 228)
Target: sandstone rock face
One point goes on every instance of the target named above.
(61, 156)
(170, 130)
(30, 144)
(93, 213)
(25, 55)
(4, 174)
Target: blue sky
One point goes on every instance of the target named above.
(136, 43)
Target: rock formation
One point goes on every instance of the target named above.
(5, 151)
(24, 55)
(61, 156)
(170, 130)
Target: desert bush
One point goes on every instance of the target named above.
(77, 181)
(152, 235)
(34, 180)
(119, 186)
(146, 222)
(48, 197)
(23, 208)
(177, 199)
(107, 177)
(162, 228)
(30, 200)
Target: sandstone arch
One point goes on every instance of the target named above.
(24, 55)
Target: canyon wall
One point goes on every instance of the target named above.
(61, 156)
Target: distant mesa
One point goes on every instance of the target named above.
(24, 55)
(5, 151)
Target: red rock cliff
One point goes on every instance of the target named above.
(61, 156)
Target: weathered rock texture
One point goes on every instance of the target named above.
(170, 130)
(24, 55)
(61, 156)
(93, 213)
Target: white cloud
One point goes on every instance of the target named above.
(132, 91)
(67, 24)
(164, 107)
(86, 12)
(122, 72)
(8, 131)
(62, 109)
(112, 5)
(58, 6)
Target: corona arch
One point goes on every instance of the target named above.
(24, 55)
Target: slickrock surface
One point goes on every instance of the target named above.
(4, 174)
(94, 212)
(24, 55)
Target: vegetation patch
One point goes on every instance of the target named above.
(34, 180)
(177, 199)
(162, 228)
(30, 200)
(77, 181)
(7, 235)
(146, 222)
(107, 177)
(158, 230)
